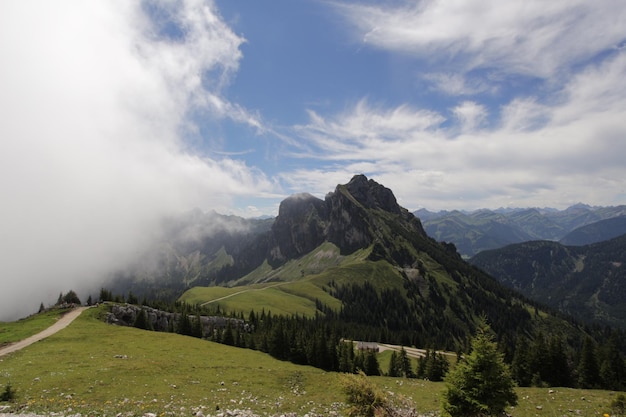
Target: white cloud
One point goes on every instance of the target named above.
(531, 37)
(96, 104)
(471, 115)
(532, 154)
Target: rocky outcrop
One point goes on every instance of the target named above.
(350, 217)
(163, 321)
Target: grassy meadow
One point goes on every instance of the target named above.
(18, 330)
(93, 368)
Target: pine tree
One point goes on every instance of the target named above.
(405, 364)
(141, 320)
(588, 372)
(371, 364)
(520, 367)
(395, 368)
(612, 368)
(228, 338)
(482, 384)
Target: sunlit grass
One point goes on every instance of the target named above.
(93, 368)
(11, 332)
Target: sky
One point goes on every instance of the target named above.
(118, 113)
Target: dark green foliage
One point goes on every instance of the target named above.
(371, 365)
(588, 370)
(105, 295)
(612, 366)
(480, 385)
(618, 405)
(432, 366)
(41, 308)
(141, 320)
(395, 367)
(8, 394)
(184, 325)
(583, 281)
(132, 299)
(69, 298)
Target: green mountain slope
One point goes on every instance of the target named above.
(588, 282)
(596, 232)
(359, 258)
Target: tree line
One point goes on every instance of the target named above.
(324, 341)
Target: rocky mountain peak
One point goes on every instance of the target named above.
(372, 195)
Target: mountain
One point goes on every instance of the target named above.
(473, 232)
(596, 232)
(587, 282)
(355, 257)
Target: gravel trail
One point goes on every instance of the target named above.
(62, 323)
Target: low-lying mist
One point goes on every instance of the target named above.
(94, 142)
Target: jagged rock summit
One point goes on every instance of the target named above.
(351, 217)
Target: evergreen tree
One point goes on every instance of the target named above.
(228, 338)
(612, 368)
(141, 320)
(588, 372)
(89, 300)
(132, 299)
(41, 308)
(558, 374)
(184, 325)
(371, 364)
(197, 329)
(436, 366)
(520, 366)
(71, 298)
(405, 364)
(481, 385)
(395, 368)
(345, 356)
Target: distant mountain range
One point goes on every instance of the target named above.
(473, 232)
(587, 282)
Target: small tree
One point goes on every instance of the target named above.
(482, 384)
(8, 394)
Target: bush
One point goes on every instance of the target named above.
(618, 405)
(367, 400)
(8, 394)
(364, 398)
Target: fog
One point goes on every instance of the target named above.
(95, 137)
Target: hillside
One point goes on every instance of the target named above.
(473, 232)
(365, 263)
(588, 282)
(92, 368)
(596, 232)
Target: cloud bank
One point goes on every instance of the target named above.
(96, 103)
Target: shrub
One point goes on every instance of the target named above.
(618, 405)
(8, 394)
(364, 398)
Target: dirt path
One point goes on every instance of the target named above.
(62, 323)
(243, 292)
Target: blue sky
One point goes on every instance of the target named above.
(117, 113)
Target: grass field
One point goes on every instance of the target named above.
(18, 330)
(93, 368)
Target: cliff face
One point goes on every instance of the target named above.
(352, 217)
